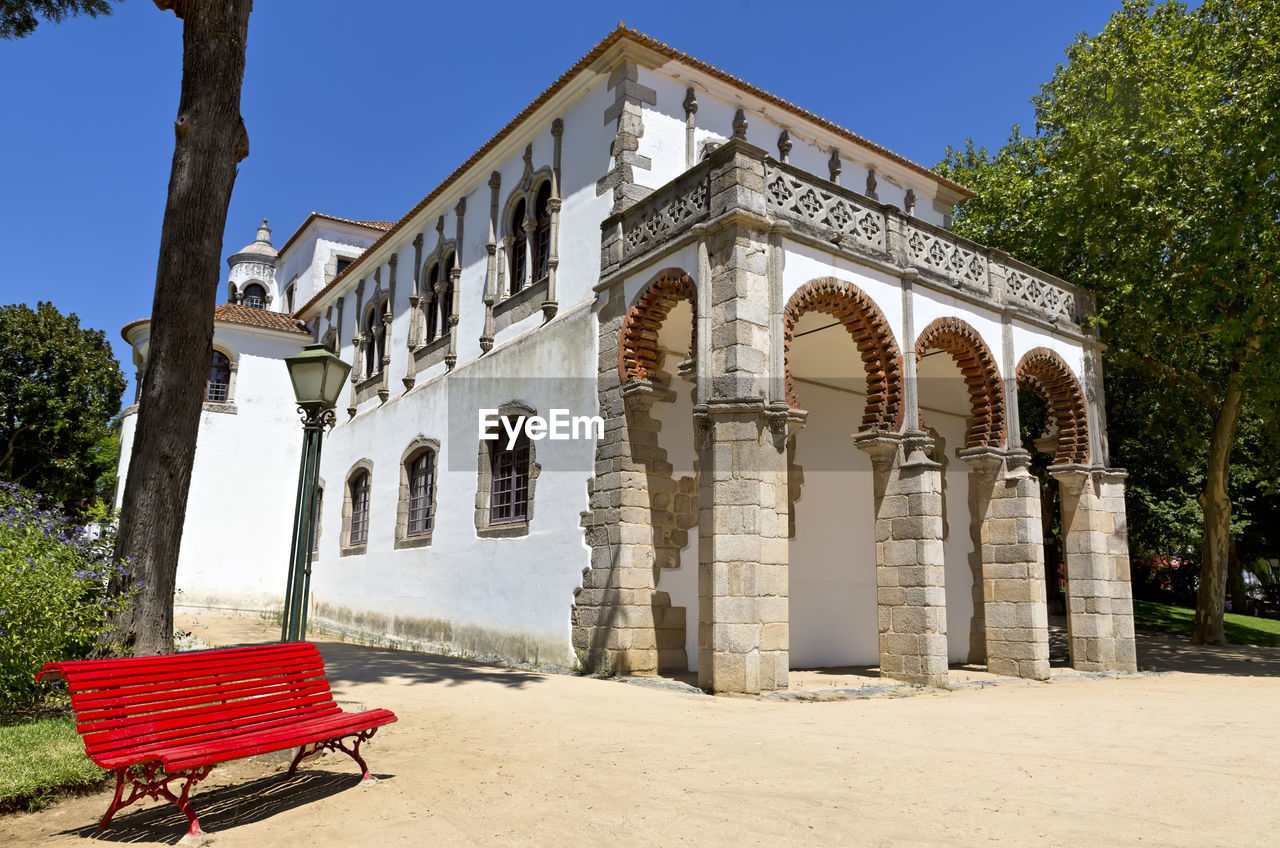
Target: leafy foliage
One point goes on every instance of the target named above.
(18, 18)
(53, 598)
(1152, 179)
(60, 388)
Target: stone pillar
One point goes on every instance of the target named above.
(744, 635)
(910, 593)
(1015, 614)
(1099, 595)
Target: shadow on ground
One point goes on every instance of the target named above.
(223, 807)
(1165, 652)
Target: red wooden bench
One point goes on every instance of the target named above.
(154, 720)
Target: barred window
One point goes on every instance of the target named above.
(509, 489)
(359, 533)
(215, 391)
(422, 481)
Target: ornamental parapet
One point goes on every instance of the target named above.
(845, 222)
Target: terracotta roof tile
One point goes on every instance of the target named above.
(234, 313)
(623, 32)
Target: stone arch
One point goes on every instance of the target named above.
(638, 343)
(981, 376)
(1048, 375)
(866, 323)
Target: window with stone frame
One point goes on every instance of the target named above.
(507, 477)
(541, 238)
(444, 302)
(358, 534)
(218, 388)
(342, 264)
(519, 246)
(288, 298)
(255, 296)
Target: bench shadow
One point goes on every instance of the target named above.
(222, 808)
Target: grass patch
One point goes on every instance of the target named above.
(41, 759)
(1240, 629)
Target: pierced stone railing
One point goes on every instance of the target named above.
(793, 195)
(849, 221)
(667, 212)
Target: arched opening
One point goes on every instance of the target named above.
(444, 302)
(542, 232)
(255, 296)
(432, 299)
(844, 368)
(517, 258)
(656, 353)
(1055, 431)
(218, 387)
(961, 398)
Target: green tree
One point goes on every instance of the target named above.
(209, 141)
(60, 389)
(1152, 179)
(18, 18)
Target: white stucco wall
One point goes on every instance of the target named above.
(488, 592)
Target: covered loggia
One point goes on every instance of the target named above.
(837, 344)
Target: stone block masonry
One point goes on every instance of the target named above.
(910, 593)
(1099, 595)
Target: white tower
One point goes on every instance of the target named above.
(252, 279)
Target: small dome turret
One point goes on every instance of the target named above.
(259, 250)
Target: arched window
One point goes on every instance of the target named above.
(215, 391)
(422, 484)
(542, 233)
(433, 276)
(518, 246)
(509, 486)
(255, 296)
(376, 341)
(445, 301)
(359, 532)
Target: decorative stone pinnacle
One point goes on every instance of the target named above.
(835, 166)
(461, 208)
(495, 180)
(440, 224)
(740, 125)
(871, 185)
(417, 240)
(528, 156)
(690, 102)
(784, 146)
(910, 201)
(557, 127)
(393, 259)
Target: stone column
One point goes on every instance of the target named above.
(1015, 614)
(744, 635)
(1099, 595)
(910, 593)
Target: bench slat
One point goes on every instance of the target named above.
(140, 674)
(170, 662)
(93, 714)
(235, 747)
(127, 753)
(265, 697)
(175, 728)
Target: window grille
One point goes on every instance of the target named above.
(509, 490)
(359, 509)
(422, 476)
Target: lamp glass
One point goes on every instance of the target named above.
(317, 376)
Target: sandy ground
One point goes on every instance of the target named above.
(1184, 755)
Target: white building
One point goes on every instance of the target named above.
(735, 287)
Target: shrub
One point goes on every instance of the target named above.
(54, 601)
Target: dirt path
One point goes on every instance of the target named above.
(489, 756)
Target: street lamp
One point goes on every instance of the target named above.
(317, 376)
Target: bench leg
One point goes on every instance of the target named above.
(337, 745)
(153, 782)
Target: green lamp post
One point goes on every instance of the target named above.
(317, 376)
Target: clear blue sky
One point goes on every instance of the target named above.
(360, 109)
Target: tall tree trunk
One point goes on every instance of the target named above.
(1235, 581)
(1216, 505)
(210, 140)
